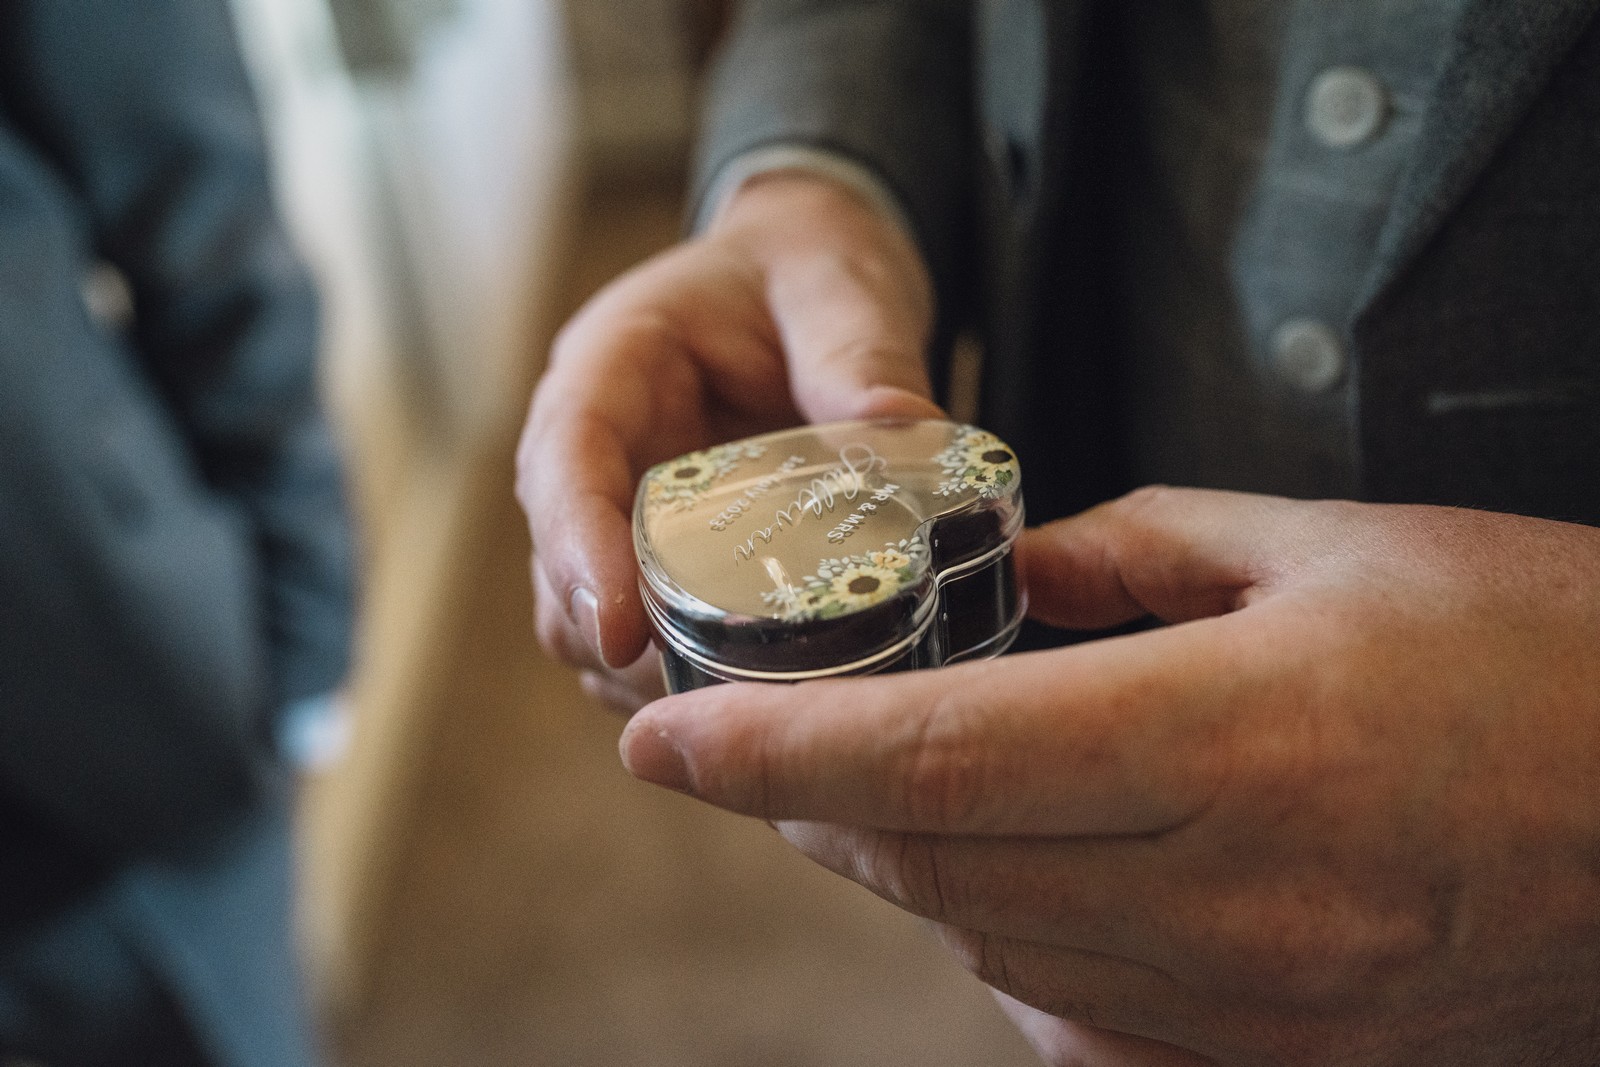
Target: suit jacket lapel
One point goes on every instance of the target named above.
(1502, 55)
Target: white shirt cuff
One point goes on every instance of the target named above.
(314, 733)
(847, 172)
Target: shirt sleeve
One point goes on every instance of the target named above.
(884, 88)
(859, 179)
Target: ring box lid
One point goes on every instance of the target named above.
(819, 549)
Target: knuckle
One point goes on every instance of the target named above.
(1303, 963)
(570, 339)
(873, 361)
(762, 794)
(526, 463)
(986, 957)
(908, 870)
(947, 776)
(741, 760)
(1141, 519)
(1010, 967)
(967, 946)
(566, 337)
(868, 351)
(1146, 502)
(530, 465)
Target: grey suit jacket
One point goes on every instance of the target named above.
(1476, 340)
(174, 556)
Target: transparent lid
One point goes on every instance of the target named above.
(819, 547)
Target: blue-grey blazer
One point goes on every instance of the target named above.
(175, 560)
(1475, 341)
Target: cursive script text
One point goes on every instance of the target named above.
(845, 480)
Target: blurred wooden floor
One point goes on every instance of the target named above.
(548, 910)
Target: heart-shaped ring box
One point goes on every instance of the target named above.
(848, 548)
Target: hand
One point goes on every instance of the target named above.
(1346, 810)
(800, 302)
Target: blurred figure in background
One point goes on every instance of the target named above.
(175, 562)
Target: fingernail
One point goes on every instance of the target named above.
(584, 611)
(651, 756)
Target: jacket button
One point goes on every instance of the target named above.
(1346, 107)
(109, 299)
(1308, 355)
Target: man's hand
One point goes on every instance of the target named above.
(1345, 810)
(801, 302)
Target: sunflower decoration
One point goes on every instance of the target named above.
(976, 459)
(850, 583)
(890, 558)
(679, 484)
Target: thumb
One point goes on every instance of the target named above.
(1176, 554)
(854, 323)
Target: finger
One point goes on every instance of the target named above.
(630, 385)
(629, 689)
(558, 631)
(575, 482)
(1096, 992)
(1060, 1043)
(609, 693)
(854, 322)
(1122, 736)
(1106, 895)
(1178, 554)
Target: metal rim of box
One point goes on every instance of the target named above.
(930, 609)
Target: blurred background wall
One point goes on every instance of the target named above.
(483, 884)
